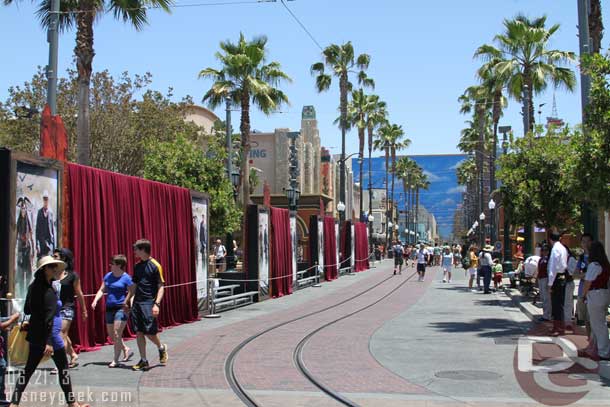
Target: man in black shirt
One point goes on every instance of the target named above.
(146, 294)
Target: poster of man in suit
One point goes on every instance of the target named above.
(263, 250)
(36, 223)
(200, 227)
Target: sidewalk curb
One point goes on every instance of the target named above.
(526, 306)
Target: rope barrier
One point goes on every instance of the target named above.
(223, 279)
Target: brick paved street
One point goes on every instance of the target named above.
(426, 344)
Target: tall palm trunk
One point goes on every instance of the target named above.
(404, 187)
(361, 159)
(387, 197)
(244, 168)
(409, 205)
(370, 131)
(393, 172)
(84, 57)
(416, 226)
(596, 26)
(492, 157)
(481, 122)
(343, 88)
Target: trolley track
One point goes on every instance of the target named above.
(248, 399)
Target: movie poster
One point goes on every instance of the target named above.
(338, 244)
(353, 239)
(321, 244)
(200, 227)
(293, 237)
(36, 221)
(263, 252)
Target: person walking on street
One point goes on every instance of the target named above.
(543, 283)
(447, 263)
(497, 273)
(597, 297)
(473, 267)
(485, 264)
(146, 292)
(557, 271)
(397, 251)
(116, 284)
(422, 259)
(220, 252)
(43, 305)
(70, 288)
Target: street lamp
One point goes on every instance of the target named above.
(235, 181)
(492, 223)
(341, 207)
(482, 229)
(507, 265)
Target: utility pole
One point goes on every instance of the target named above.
(53, 40)
(589, 217)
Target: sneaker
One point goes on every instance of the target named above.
(142, 365)
(163, 356)
(449, 281)
(444, 280)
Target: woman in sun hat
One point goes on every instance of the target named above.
(42, 303)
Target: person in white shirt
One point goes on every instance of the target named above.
(423, 255)
(597, 298)
(485, 264)
(557, 272)
(219, 254)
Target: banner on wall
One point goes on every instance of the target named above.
(36, 220)
(321, 244)
(293, 236)
(353, 240)
(338, 244)
(263, 250)
(200, 228)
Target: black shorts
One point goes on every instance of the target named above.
(142, 318)
(421, 267)
(397, 260)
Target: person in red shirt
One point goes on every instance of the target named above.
(543, 281)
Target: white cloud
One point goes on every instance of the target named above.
(459, 188)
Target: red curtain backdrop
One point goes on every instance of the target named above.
(330, 249)
(53, 136)
(281, 253)
(108, 213)
(362, 247)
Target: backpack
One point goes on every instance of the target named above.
(466, 262)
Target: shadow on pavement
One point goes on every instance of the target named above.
(485, 327)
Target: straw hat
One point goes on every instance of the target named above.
(489, 248)
(47, 260)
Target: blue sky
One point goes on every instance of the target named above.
(421, 54)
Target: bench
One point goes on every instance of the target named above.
(305, 281)
(345, 270)
(225, 290)
(234, 301)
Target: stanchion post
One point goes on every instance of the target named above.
(211, 305)
(317, 284)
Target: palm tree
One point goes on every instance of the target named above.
(523, 57)
(596, 26)
(391, 136)
(421, 182)
(493, 81)
(357, 113)
(375, 117)
(245, 78)
(341, 61)
(82, 15)
(406, 170)
(477, 99)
